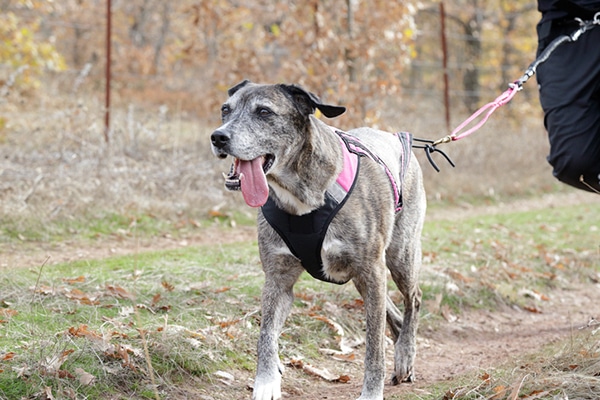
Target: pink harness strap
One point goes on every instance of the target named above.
(346, 178)
(352, 148)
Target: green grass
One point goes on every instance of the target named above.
(492, 258)
(94, 226)
(194, 311)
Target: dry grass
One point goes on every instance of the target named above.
(562, 371)
(54, 163)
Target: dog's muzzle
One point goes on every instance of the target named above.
(247, 174)
(220, 140)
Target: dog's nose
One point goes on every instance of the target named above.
(219, 139)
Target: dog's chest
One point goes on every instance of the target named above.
(305, 235)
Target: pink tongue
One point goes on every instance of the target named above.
(254, 182)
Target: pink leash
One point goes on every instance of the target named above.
(490, 107)
(514, 87)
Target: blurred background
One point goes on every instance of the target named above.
(418, 66)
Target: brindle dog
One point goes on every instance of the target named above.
(286, 159)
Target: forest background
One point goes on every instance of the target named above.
(172, 63)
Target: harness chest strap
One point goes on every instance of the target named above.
(304, 234)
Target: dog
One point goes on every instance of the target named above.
(341, 205)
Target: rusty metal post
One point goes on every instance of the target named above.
(108, 62)
(445, 64)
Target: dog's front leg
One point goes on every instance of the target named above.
(277, 298)
(373, 291)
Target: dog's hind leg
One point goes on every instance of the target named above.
(394, 318)
(405, 344)
(277, 298)
(404, 261)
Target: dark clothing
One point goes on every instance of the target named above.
(569, 85)
(557, 9)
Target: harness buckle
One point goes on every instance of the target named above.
(430, 147)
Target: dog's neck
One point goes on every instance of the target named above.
(299, 187)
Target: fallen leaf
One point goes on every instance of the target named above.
(85, 378)
(79, 279)
(321, 373)
(216, 214)
(434, 305)
(43, 289)
(70, 393)
(141, 306)
(532, 309)
(225, 377)
(51, 365)
(499, 392)
(81, 297)
(534, 294)
(48, 393)
(356, 304)
(339, 332)
(22, 371)
(345, 357)
(457, 276)
(168, 287)
(126, 311)
(120, 292)
(7, 312)
(8, 356)
(64, 374)
(447, 314)
(304, 296)
(155, 299)
(226, 324)
(537, 394)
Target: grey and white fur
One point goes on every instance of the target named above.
(274, 126)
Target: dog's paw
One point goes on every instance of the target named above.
(408, 377)
(404, 360)
(267, 390)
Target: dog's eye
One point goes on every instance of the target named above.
(225, 110)
(264, 111)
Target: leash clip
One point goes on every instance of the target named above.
(430, 147)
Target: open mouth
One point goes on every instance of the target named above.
(249, 176)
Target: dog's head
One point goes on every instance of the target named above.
(263, 126)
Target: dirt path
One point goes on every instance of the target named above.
(476, 341)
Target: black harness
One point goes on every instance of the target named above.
(304, 234)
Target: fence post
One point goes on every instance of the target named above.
(108, 62)
(445, 64)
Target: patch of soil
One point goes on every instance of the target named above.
(476, 341)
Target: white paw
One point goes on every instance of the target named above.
(267, 389)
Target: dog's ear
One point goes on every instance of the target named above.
(237, 87)
(308, 102)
